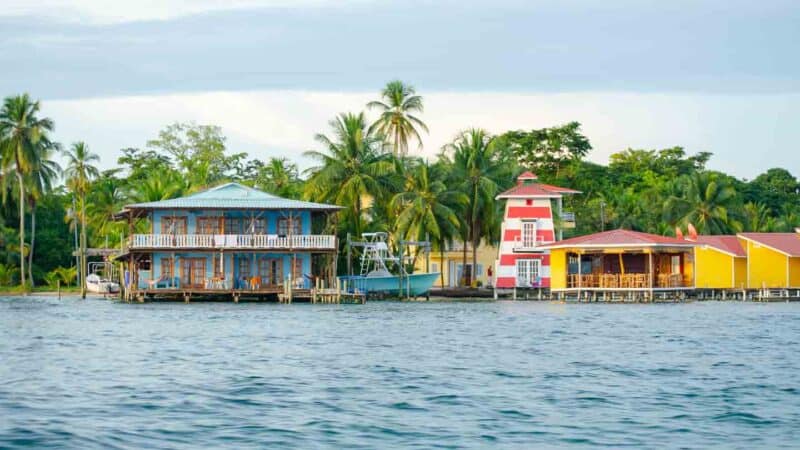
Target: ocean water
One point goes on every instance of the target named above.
(100, 374)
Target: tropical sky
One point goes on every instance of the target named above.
(709, 75)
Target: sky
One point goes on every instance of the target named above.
(709, 75)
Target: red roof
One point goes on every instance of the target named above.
(620, 238)
(726, 243)
(527, 175)
(536, 190)
(787, 243)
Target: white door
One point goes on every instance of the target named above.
(528, 272)
(528, 234)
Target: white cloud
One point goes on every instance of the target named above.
(115, 11)
(748, 134)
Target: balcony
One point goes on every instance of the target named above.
(232, 242)
(521, 245)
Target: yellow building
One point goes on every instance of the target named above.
(452, 269)
(773, 259)
(621, 260)
(720, 262)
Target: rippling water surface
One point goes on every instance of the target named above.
(99, 374)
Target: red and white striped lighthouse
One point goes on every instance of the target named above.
(527, 225)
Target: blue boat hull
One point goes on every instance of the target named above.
(413, 285)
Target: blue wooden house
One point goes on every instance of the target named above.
(228, 240)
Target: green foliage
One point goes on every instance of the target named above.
(397, 122)
(8, 274)
(199, 151)
(66, 275)
(546, 149)
(354, 171)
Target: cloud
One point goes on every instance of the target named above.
(119, 11)
(747, 134)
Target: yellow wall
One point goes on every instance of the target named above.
(558, 268)
(487, 255)
(740, 273)
(794, 272)
(715, 269)
(767, 268)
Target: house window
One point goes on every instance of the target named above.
(173, 225)
(434, 267)
(528, 273)
(285, 224)
(167, 268)
(208, 225)
(233, 225)
(529, 234)
(254, 226)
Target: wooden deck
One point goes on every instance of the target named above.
(269, 294)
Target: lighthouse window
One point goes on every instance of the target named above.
(529, 234)
(528, 202)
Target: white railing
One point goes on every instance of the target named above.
(520, 244)
(233, 241)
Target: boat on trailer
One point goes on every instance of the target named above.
(375, 278)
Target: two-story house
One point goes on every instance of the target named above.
(228, 239)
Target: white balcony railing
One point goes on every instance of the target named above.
(529, 244)
(233, 241)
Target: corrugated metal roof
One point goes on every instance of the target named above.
(232, 196)
(620, 238)
(787, 243)
(534, 189)
(726, 243)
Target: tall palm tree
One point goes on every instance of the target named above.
(22, 134)
(705, 201)
(352, 168)
(80, 171)
(397, 122)
(41, 178)
(480, 171)
(427, 209)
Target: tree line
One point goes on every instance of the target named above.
(364, 166)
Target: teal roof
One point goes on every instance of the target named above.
(233, 196)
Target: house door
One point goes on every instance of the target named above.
(528, 273)
(193, 272)
(271, 271)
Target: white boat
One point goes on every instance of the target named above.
(100, 286)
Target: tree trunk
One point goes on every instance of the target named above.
(441, 261)
(475, 243)
(21, 230)
(83, 246)
(33, 241)
(463, 279)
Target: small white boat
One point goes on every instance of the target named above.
(100, 286)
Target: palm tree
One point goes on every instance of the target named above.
(757, 217)
(106, 196)
(397, 122)
(40, 179)
(427, 208)
(79, 173)
(160, 185)
(705, 201)
(22, 136)
(352, 168)
(279, 177)
(479, 170)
